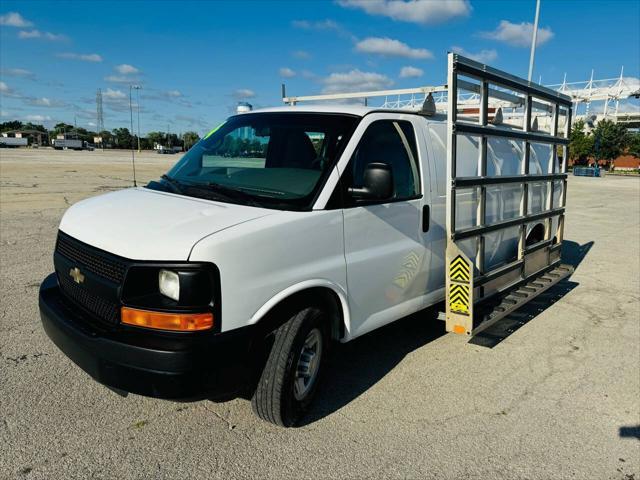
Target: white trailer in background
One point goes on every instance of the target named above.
(14, 142)
(71, 144)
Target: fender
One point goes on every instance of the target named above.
(299, 287)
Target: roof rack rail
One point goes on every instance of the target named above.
(363, 95)
(500, 95)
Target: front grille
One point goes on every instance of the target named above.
(92, 259)
(104, 310)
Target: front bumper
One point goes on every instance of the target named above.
(155, 364)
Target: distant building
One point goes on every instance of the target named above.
(32, 137)
(245, 132)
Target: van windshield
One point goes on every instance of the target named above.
(273, 160)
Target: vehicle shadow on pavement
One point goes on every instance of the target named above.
(572, 254)
(356, 366)
(630, 432)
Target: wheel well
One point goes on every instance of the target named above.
(322, 297)
(536, 234)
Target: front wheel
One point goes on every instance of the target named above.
(290, 377)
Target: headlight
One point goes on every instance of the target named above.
(172, 287)
(169, 284)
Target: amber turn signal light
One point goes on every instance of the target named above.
(183, 322)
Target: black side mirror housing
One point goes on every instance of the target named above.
(378, 183)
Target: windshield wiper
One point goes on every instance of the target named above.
(213, 191)
(235, 194)
(173, 183)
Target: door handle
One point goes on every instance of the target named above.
(425, 218)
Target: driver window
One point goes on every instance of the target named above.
(392, 142)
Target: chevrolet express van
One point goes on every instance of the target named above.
(281, 232)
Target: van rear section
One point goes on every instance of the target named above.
(501, 168)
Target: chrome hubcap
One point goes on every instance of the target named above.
(308, 364)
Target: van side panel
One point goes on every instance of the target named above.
(260, 259)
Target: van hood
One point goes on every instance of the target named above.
(143, 224)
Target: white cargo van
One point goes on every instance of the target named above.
(287, 229)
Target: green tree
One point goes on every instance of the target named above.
(12, 125)
(610, 139)
(34, 126)
(122, 137)
(61, 128)
(156, 137)
(581, 143)
(107, 138)
(634, 144)
(190, 139)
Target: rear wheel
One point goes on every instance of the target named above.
(290, 377)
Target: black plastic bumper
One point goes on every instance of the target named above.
(177, 366)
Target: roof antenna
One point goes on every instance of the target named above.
(428, 106)
(133, 155)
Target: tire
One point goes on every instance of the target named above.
(282, 394)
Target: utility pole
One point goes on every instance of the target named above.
(138, 87)
(133, 155)
(533, 41)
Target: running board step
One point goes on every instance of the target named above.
(515, 299)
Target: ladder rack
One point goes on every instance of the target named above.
(477, 296)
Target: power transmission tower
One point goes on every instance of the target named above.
(100, 115)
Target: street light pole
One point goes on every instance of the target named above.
(533, 41)
(138, 87)
(133, 155)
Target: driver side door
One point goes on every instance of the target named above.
(384, 248)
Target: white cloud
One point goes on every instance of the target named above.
(4, 88)
(354, 81)
(53, 37)
(301, 54)
(84, 57)
(114, 94)
(17, 72)
(244, 93)
(44, 102)
(193, 122)
(391, 48)
(14, 19)
(40, 102)
(126, 69)
(483, 56)
(286, 72)
(308, 74)
(37, 118)
(173, 93)
(410, 72)
(4, 113)
(424, 12)
(518, 34)
(117, 79)
(320, 25)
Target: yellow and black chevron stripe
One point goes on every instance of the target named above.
(459, 270)
(459, 298)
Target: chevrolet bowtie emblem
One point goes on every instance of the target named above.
(77, 275)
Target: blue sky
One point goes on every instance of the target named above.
(195, 60)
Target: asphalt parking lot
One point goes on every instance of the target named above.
(556, 398)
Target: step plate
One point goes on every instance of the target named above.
(520, 296)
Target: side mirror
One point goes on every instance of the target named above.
(378, 183)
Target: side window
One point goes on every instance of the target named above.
(392, 142)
